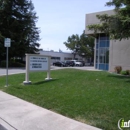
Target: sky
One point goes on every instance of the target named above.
(59, 19)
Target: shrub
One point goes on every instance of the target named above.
(11, 64)
(126, 72)
(20, 61)
(16, 64)
(118, 69)
(3, 63)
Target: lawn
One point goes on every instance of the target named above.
(96, 98)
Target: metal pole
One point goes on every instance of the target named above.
(7, 67)
(27, 68)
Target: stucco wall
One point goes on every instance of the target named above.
(119, 51)
(119, 54)
(92, 19)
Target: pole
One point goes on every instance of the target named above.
(7, 67)
(27, 68)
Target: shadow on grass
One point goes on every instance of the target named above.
(119, 76)
(45, 81)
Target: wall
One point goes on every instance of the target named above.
(92, 19)
(62, 55)
(119, 54)
(119, 51)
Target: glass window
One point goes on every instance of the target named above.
(96, 59)
(103, 38)
(55, 58)
(96, 66)
(102, 43)
(107, 55)
(102, 52)
(96, 46)
(107, 43)
(107, 38)
(101, 66)
(100, 59)
(67, 58)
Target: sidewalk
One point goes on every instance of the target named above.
(17, 114)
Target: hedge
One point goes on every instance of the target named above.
(11, 64)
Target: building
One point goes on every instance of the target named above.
(108, 53)
(60, 56)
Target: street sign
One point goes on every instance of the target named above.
(7, 42)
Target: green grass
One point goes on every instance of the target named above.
(96, 98)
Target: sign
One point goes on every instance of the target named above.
(38, 63)
(7, 42)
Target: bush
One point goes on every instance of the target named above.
(20, 61)
(126, 72)
(118, 69)
(3, 63)
(16, 64)
(11, 64)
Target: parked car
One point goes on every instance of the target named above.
(83, 63)
(77, 63)
(69, 63)
(59, 63)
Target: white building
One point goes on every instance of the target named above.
(60, 56)
(108, 53)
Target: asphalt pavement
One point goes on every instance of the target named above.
(12, 71)
(22, 70)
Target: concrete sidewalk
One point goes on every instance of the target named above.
(17, 114)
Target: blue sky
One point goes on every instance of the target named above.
(59, 19)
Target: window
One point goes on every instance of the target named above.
(55, 58)
(67, 58)
(102, 52)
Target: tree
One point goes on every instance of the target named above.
(86, 46)
(73, 44)
(81, 45)
(118, 25)
(18, 22)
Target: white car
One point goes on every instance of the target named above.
(77, 63)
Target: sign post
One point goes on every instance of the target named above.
(7, 43)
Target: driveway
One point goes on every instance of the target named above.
(12, 71)
(22, 70)
(80, 68)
